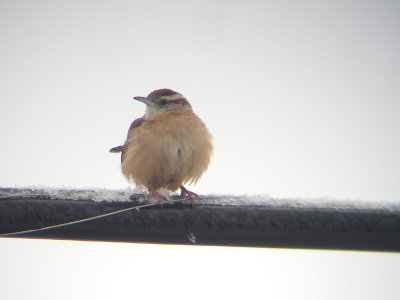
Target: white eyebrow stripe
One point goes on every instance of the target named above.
(172, 97)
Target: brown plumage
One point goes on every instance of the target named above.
(166, 148)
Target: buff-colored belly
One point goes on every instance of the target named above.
(167, 151)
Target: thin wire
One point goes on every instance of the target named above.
(86, 219)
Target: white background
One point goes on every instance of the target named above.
(302, 98)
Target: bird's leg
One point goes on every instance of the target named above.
(185, 191)
(153, 193)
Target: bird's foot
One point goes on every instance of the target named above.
(156, 195)
(191, 195)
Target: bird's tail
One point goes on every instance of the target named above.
(117, 149)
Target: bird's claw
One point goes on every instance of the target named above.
(191, 195)
(156, 195)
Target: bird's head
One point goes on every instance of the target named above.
(164, 100)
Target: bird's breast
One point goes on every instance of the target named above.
(172, 147)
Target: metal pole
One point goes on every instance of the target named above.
(223, 221)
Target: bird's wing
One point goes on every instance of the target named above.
(122, 148)
(134, 125)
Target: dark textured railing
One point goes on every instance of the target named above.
(225, 221)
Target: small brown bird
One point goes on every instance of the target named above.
(168, 147)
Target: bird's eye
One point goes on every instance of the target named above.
(163, 102)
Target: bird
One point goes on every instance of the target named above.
(167, 147)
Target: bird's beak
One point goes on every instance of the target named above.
(144, 100)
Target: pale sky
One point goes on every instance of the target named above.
(302, 97)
